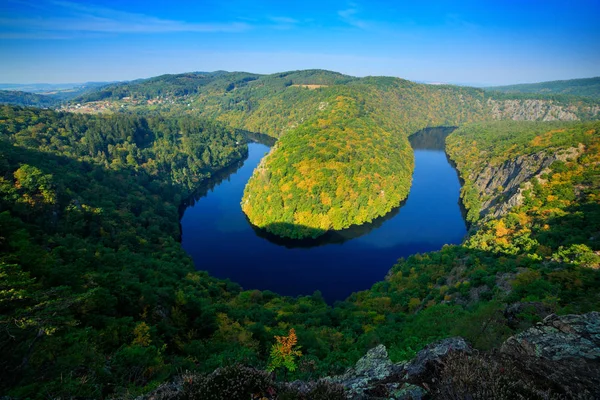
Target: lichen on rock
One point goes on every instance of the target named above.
(557, 338)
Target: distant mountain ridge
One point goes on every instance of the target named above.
(190, 83)
(587, 87)
(45, 94)
(50, 87)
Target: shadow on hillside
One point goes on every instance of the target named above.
(318, 237)
(259, 138)
(209, 184)
(580, 224)
(223, 174)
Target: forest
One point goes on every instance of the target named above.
(98, 299)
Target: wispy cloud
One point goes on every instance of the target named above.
(76, 17)
(349, 16)
(284, 20)
(282, 23)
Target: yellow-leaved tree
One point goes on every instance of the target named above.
(284, 352)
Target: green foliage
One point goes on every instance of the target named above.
(351, 162)
(182, 151)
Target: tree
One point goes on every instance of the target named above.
(284, 352)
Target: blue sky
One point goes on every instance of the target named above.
(469, 42)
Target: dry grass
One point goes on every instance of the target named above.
(310, 86)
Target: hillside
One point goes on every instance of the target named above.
(589, 87)
(308, 186)
(352, 161)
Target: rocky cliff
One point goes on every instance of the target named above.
(539, 110)
(557, 358)
(501, 186)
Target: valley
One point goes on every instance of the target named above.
(150, 239)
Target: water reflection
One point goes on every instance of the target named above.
(431, 138)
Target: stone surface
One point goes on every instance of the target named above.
(532, 110)
(558, 338)
(501, 186)
(375, 376)
(374, 367)
(407, 391)
(429, 359)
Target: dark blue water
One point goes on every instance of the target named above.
(217, 235)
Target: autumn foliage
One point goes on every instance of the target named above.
(284, 352)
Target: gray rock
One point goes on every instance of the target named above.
(501, 186)
(430, 358)
(558, 338)
(374, 367)
(166, 391)
(534, 110)
(406, 391)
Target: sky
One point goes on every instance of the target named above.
(463, 42)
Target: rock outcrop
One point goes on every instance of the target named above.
(375, 376)
(374, 367)
(557, 338)
(500, 185)
(429, 360)
(537, 110)
(558, 358)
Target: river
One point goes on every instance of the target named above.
(220, 240)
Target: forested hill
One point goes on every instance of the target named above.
(179, 152)
(313, 180)
(198, 82)
(588, 87)
(277, 103)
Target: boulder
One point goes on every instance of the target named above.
(369, 371)
(429, 360)
(557, 338)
